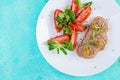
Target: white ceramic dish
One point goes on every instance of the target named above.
(72, 64)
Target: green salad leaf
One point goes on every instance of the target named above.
(59, 25)
(55, 45)
(86, 4)
(68, 45)
(72, 15)
(78, 2)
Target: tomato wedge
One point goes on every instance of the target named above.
(57, 11)
(61, 38)
(84, 14)
(74, 6)
(74, 38)
(77, 27)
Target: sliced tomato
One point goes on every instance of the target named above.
(72, 25)
(80, 28)
(74, 38)
(61, 38)
(77, 27)
(57, 11)
(84, 14)
(75, 7)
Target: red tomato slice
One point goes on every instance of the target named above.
(72, 25)
(80, 28)
(74, 38)
(74, 6)
(57, 11)
(77, 27)
(61, 38)
(84, 14)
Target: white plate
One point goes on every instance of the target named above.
(72, 64)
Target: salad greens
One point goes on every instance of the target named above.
(86, 4)
(62, 20)
(55, 45)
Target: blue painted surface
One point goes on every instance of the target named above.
(20, 58)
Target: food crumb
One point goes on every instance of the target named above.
(95, 67)
(107, 20)
(94, 8)
(113, 50)
(49, 15)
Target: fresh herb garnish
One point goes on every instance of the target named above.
(72, 15)
(78, 2)
(97, 29)
(66, 16)
(67, 30)
(63, 50)
(93, 35)
(87, 44)
(58, 50)
(58, 19)
(55, 45)
(61, 15)
(86, 4)
(51, 46)
(59, 25)
(68, 45)
(66, 10)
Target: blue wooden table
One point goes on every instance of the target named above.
(20, 58)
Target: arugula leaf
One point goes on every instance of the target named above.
(58, 50)
(67, 30)
(72, 15)
(57, 46)
(61, 15)
(68, 45)
(51, 47)
(66, 10)
(63, 50)
(86, 4)
(65, 22)
(59, 25)
(78, 2)
(69, 14)
(67, 27)
(49, 43)
(58, 19)
(67, 18)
